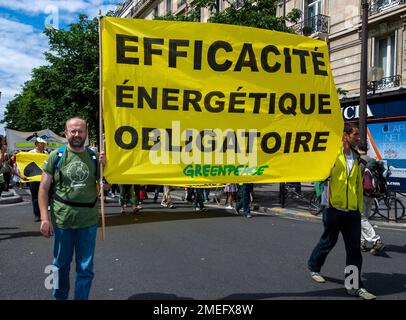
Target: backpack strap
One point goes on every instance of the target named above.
(58, 163)
(92, 155)
(74, 203)
(60, 152)
(363, 161)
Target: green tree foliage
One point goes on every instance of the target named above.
(251, 13)
(67, 86)
(342, 92)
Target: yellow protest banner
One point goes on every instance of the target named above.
(30, 165)
(195, 103)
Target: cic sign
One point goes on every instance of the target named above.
(352, 112)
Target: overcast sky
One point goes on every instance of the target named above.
(22, 42)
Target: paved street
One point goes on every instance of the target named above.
(181, 254)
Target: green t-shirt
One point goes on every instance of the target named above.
(78, 185)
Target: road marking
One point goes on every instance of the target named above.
(391, 228)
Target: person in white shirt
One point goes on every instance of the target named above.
(40, 145)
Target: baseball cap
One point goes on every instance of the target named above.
(40, 140)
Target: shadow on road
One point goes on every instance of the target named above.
(380, 284)
(27, 234)
(334, 280)
(117, 219)
(393, 248)
(329, 293)
(157, 296)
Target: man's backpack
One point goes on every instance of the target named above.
(57, 170)
(378, 186)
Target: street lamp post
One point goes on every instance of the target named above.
(364, 73)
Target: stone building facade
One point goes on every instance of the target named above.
(339, 23)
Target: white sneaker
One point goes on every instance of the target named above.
(362, 293)
(230, 208)
(164, 204)
(377, 248)
(317, 277)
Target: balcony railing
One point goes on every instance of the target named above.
(316, 24)
(377, 6)
(237, 4)
(385, 83)
(122, 7)
(136, 8)
(181, 3)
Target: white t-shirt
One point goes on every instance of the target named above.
(349, 159)
(35, 150)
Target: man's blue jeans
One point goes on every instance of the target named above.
(82, 241)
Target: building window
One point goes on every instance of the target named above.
(313, 8)
(168, 6)
(384, 61)
(313, 21)
(377, 6)
(181, 3)
(385, 55)
(237, 4)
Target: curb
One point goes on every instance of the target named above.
(9, 199)
(282, 212)
(261, 210)
(303, 215)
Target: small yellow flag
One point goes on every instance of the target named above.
(30, 165)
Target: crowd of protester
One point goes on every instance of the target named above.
(132, 196)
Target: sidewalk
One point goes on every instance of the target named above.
(266, 202)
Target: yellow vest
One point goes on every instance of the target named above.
(346, 191)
